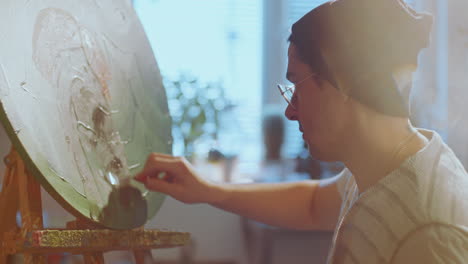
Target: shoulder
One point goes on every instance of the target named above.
(428, 187)
(433, 243)
(440, 183)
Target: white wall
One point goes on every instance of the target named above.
(217, 234)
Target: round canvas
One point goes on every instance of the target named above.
(83, 102)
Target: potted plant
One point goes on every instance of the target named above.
(196, 108)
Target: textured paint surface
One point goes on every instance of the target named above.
(4, 84)
(83, 103)
(79, 241)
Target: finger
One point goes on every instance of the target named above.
(155, 184)
(166, 177)
(141, 177)
(149, 173)
(161, 155)
(174, 166)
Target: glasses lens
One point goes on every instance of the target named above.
(287, 92)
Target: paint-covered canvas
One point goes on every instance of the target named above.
(83, 102)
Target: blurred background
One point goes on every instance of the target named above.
(220, 61)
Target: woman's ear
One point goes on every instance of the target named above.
(403, 77)
(343, 94)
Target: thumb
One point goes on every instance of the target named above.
(141, 177)
(158, 185)
(147, 173)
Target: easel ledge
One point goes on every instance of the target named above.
(21, 192)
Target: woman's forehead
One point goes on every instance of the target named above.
(292, 51)
(295, 64)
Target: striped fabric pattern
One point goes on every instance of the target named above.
(425, 200)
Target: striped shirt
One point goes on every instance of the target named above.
(416, 214)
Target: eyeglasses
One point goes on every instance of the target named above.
(287, 91)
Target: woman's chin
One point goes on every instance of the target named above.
(320, 154)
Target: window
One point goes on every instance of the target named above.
(213, 40)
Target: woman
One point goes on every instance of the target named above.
(402, 196)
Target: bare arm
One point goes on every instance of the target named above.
(299, 205)
(305, 205)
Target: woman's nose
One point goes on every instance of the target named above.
(290, 113)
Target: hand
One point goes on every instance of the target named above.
(176, 177)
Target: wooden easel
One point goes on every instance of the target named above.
(21, 193)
